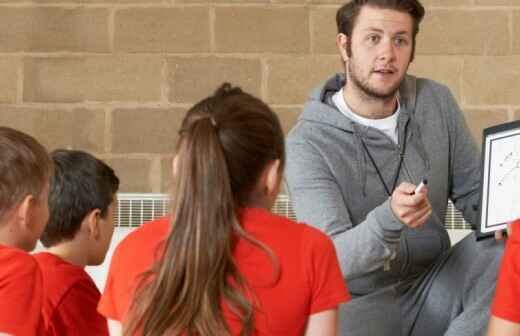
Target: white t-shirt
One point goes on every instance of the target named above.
(386, 125)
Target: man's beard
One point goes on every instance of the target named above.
(364, 86)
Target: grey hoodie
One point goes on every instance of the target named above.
(335, 187)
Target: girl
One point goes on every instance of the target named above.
(223, 264)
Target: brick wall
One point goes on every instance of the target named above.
(115, 77)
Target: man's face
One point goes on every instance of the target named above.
(381, 49)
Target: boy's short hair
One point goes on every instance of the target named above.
(25, 168)
(80, 183)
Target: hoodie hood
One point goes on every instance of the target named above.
(321, 109)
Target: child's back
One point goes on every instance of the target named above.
(70, 298)
(20, 292)
(309, 281)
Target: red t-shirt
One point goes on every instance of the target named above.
(20, 293)
(70, 299)
(310, 279)
(507, 293)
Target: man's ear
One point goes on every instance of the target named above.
(273, 177)
(341, 42)
(91, 224)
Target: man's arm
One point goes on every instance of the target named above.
(318, 201)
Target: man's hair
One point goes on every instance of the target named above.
(25, 168)
(80, 183)
(347, 15)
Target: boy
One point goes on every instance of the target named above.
(25, 169)
(81, 203)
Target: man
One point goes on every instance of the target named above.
(364, 141)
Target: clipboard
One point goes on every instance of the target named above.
(500, 183)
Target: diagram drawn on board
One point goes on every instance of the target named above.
(511, 167)
(501, 179)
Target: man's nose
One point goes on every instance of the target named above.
(387, 50)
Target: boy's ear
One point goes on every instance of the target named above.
(91, 224)
(273, 177)
(341, 43)
(24, 212)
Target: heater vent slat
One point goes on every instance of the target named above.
(135, 209)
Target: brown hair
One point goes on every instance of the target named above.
(226, 140)
(347, 14)
(79, 184)
(25, 168)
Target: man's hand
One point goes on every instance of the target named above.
(499, 235)
(413, 210)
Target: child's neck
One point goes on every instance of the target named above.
(71, 252)
(9, 236)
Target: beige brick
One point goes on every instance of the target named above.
(491, 80)
(53, 80)
(464, 32)
(104, 78)
(48, 29)
(479, 119)
(338, 2)
(8, 79)
(182, 30)
(423, 2)
(134, 174)
(75, 129)
(516, 32)
(166, 174)
(191, 79)
(145, 130)
(262, 29)
(296, 2)
(324, 31)
(105, 2)
(446, 3)
(288, 117)
(444, 69)
(226, 1)
(290, 79)
(496, 2)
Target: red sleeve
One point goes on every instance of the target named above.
(327, 283)
(505, 305)
(107, 304)
(21, 295)
(76, 313)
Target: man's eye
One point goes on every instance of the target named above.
(373, 38)
(400, 41)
